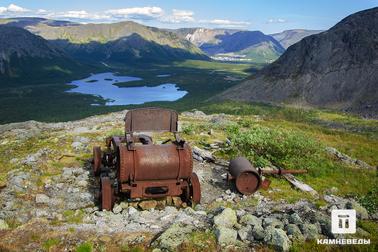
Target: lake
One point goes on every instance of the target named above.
(102, 85)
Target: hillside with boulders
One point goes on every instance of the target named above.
(48, 191)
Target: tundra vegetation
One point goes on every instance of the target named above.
(291, 138)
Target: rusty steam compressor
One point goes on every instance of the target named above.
(142, 168)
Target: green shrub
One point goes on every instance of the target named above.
(188, 129)
(84, 247)
(370, 200)
(262, 146)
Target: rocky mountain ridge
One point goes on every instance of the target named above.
(334, 69)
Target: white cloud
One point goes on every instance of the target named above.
(276, 21)
(226, 23)
(12, 9)
(179, 16)
(141, 13)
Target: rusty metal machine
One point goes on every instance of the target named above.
(144, 169)
(248, 179)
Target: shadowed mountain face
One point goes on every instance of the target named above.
(23, 55)
(290, 37)
(334, 69)
(96, 42)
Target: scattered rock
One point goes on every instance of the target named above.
(310, 231)
(203, 154)
(226, 236)
(294, 232)
(245, 233)
(278, 239)
(227, 218)
(173, 237)
(117, 209)
(42, 199)
(147, 204)
(294, 218)
(250, 219)
(361, 212)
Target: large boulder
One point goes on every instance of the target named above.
(227, 218)
(226, 236)
(173, 237)
(277, 238)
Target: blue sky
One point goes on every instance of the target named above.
(266, 15)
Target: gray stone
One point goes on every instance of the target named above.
(361, 212)
(245, 233)
(250, 219)
(117, 209)
(227, 218)
(226, 236)
(42, 199)
(3, 225)
(173, 237)
(258, 232)
(294, 231)
(272, 222)
(310, 231)
(277, 238)
(295, 219)
(132, 211)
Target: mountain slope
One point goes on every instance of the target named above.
(225, 44)
(27, 57)
(106, 40)
(334, 69)
(290, 37)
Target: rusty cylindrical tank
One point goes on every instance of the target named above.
(247, 178)
(155, 162)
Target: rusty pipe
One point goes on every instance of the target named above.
(282, 171)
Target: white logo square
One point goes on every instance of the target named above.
(343, 221)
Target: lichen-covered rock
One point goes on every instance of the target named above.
(227, 218)
(277, 238)
(294, 231)
(310, 231)
(270, 221)
(117, 209)
(245, 233)
(250, 219)
(173, 237)
(3, 225)
(294, 218)
(226, 236)
(361, 212)
(258, 232)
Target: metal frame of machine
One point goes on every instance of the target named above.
(143, 169)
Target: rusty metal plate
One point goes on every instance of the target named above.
(151, 119)
(97, 160)
(195, 188)
(106, 194)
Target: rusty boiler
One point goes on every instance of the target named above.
(142, 168)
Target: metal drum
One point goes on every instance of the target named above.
(247, 178)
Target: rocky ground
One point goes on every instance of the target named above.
(48, 201)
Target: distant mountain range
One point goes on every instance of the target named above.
(126, 43)
(240, 45)
(290, 37)
(335, 69)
